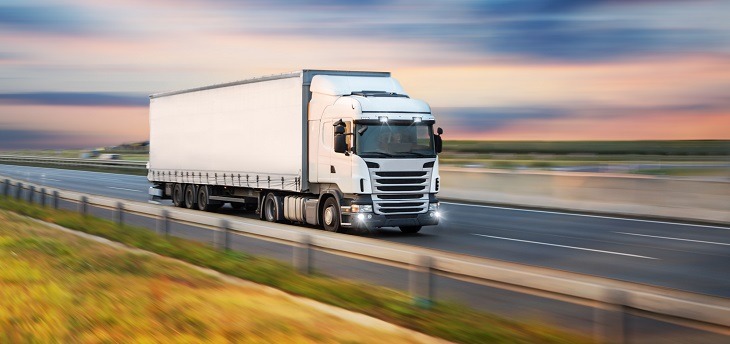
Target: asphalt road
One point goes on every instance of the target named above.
(675, 255)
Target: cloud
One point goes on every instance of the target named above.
(34, 139)
(75, 99)
(567, 30)
(44, 19)
(486, 119)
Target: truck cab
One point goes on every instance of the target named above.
(375, 149)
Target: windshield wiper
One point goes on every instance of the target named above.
(417, 154)
(381, 154)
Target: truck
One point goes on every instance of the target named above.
(336, 149)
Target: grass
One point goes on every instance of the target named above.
(57, 287)
(445, 320)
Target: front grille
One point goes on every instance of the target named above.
(403, 196)
(397, 193)
(402, 174)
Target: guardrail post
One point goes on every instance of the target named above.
(302, 258)
(421, 281)
(163, 223)
(43, 197)
(119, 213)
(221, 236)
(18, 190)
(6, 188)
(31, 193)
(609, 319)
(54, 199)
(83, 205)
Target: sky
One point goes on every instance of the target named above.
(77, 73)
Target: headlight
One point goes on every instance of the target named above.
(433, 206)
(361, 208)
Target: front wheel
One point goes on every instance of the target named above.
(410, 229)
(331, 215)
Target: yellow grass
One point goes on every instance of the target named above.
(56, 287)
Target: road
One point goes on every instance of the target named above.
(681, 256)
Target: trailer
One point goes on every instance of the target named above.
(337, 149)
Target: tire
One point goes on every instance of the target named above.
(202, 199)
(272, 211)
(178, 196)
(190, 197)
(410, 229)
(331, 215)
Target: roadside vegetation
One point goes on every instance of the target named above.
(56, 287)
(108, 303)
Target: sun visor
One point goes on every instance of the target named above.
(345, 85)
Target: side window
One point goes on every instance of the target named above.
(424, 139)
(348, 129)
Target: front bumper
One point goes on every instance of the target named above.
(372, 221)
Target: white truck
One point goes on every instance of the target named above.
(338, 149)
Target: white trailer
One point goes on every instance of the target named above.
(331, 148)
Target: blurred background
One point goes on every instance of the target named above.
(76, 73)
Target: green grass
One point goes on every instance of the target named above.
(447, 320)
(57, 287)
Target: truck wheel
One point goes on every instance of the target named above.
(190, 201)
(331, 215)
(410, 229)
(202, 200)
(272, 210)
(177, 195)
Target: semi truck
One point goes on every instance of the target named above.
(336, 149)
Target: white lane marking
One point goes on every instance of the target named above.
(586, 215)
(111, 187)
(669, 238)
(564, 246)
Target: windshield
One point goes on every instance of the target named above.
(384, 140)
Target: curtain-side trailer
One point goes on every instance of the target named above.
(336, 149)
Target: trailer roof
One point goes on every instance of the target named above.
(305, 74)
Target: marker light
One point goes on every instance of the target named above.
(383, 119)
(416, 119)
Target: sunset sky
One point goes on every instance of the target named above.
(77, 73)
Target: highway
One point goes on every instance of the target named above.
(689, 257)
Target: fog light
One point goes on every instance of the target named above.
(438, 214)
(383, 119)
(361, 217)
(416, 119)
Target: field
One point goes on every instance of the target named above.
(78, 288)
(56, 287)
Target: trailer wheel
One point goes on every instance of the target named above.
(272, 210)
(202, 199)
(190, 201)
(177, 195)
(410, 229)
(331, 215)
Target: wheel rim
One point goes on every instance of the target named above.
(329, 216)
(269, 210)
(189, 201)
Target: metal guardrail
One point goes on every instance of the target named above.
(132, 165)
(611, 300)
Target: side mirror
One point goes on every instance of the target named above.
(340, 143)
(438, 142)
